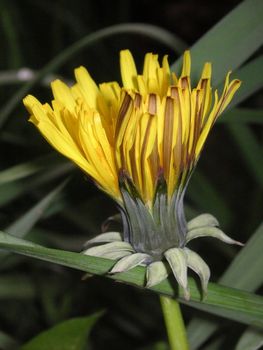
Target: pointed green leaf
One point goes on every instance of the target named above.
(68, 335)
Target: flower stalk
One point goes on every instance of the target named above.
(174, 322)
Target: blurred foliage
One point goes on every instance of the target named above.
(35, 295)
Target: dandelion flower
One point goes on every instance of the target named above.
(140, 143)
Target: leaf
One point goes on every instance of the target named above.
(231, 303)
(199, 330)
(231, 41)
(68, 335)
(252, 339)
(148, 30)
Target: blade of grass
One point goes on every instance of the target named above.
(231, 41)
(223, 301)
(151, 31)
(199, 329)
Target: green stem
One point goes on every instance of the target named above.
(174, 324)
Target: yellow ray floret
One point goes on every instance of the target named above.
(155, 122)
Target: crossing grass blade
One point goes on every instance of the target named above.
(231, 303)
(230, 42)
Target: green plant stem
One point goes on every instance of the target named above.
(174, 323)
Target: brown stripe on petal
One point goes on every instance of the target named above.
(203, 87)
(137, 100)
(143, 157)
(134, 174)
(174, 91)
(168, 134)
(127, 100)
(154, 161)
(184, 83)
(152, 105)
(197, 125)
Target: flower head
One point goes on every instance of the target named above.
(140, 143)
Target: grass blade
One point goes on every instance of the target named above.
(242, 33)
(223, 301)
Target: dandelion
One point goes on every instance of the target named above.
(140, 143)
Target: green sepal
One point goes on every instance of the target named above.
(209, 231)
(199, 266)
(201, 221)
(156, 272)
(106, 249)
(106, 237)
(130, 262)
(177, 260)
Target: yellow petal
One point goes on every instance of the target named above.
(87, 87)
(62, 93)
(128, 70)
(186, 64)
